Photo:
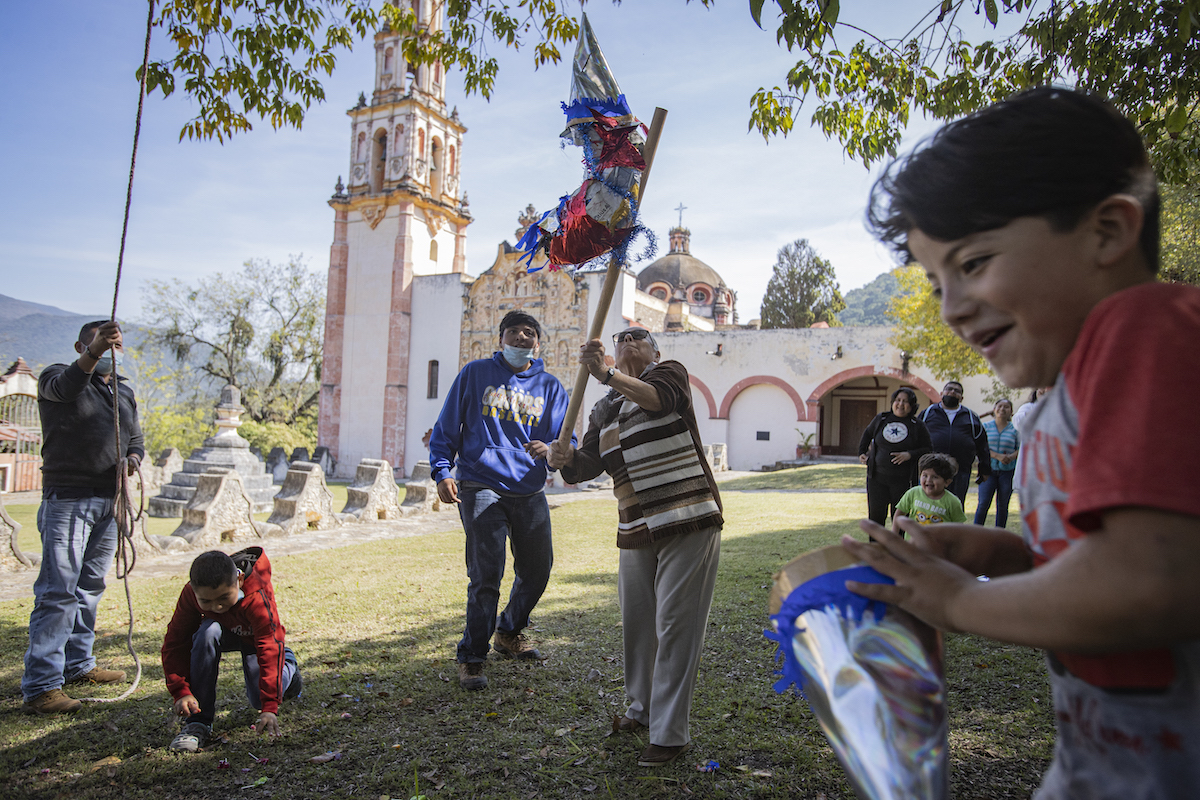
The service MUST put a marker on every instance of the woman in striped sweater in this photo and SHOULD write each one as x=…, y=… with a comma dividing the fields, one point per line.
x=643, y=433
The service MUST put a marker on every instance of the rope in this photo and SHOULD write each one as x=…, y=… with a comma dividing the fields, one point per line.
x=126, y=518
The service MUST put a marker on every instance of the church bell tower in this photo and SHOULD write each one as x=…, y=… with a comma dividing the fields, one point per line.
x=402, y=215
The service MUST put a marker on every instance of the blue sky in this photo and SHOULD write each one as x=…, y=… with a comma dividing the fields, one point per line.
x=202, y=207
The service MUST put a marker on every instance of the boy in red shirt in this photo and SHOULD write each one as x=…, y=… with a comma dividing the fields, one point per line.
x=229, y=605
x=1036, y=221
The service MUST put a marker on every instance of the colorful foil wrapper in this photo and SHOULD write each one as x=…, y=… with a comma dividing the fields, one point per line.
x=600, y=217
x=873, y=676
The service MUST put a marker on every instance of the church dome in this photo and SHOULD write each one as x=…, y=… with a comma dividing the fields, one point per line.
x=679, y=268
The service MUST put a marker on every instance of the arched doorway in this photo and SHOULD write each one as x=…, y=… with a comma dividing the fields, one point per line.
x=846, y=403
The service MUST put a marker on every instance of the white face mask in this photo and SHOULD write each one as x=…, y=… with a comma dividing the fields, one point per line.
x=105, y=365
x=518, y=356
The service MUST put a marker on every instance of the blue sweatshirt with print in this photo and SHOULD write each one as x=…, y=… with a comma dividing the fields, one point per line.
x=489, y=415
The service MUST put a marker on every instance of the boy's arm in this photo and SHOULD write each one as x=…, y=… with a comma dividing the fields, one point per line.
x=177, y=644
x=446, y=439
x=1069, y=604
x=956, y=510
x=268, y=635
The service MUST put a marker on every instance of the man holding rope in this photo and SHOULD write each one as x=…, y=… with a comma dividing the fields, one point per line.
x=76, y=521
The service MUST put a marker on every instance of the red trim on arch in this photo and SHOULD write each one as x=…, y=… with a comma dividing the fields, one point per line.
x=708, y=395
x=754, y=380
x=932, y=395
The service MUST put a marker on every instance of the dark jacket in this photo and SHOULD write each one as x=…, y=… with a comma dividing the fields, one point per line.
x=966, y=439
x=254, y=618
x=78, y=445
x=915, y=442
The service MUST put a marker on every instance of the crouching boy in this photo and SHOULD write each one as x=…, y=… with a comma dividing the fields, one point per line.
x=229, y=605
x=1036, y=221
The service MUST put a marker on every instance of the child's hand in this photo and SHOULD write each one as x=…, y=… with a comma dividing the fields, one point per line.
x=536, y=449
x=186, y=706
x=926, y=585
x=268, y=723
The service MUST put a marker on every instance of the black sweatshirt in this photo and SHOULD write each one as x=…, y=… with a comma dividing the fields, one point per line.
x=78, y=444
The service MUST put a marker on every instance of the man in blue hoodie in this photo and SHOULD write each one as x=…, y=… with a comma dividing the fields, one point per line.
x=498, y=409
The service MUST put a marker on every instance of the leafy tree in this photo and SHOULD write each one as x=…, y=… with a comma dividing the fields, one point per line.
x=260, y=330
x=238, y=58
x=803, y=289
x=171, y=410
x=1180, y=242
x=920, y=331
x=1144, y=56
x=266, y=436
x=868, y=305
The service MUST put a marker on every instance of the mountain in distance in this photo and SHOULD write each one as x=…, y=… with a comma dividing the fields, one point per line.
x=868, y=305
x=42, y=334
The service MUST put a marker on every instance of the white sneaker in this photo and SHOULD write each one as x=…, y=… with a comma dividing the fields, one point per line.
x=193, y=737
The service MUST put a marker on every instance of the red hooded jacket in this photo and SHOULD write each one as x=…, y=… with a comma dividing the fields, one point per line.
x=254, y=618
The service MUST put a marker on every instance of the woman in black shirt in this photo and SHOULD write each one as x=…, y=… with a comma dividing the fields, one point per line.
x=890, y=447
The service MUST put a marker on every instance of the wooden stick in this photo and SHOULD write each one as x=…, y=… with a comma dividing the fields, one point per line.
x=611, y=277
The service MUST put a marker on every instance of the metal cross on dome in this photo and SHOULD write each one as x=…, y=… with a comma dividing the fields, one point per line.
x=680, y=208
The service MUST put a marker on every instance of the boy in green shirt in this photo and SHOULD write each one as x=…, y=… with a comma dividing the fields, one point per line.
x=930, y=502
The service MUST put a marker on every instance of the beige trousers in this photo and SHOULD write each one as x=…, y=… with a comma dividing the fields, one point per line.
x=665, y=591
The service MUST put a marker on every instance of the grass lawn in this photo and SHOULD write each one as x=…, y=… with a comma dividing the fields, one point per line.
x=375, y=626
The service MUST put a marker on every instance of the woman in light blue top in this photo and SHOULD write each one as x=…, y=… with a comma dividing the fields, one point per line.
x=1003, y=441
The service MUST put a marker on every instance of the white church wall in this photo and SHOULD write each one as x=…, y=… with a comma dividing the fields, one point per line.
x=437, y=308
x=761, y=411
x=364, y=353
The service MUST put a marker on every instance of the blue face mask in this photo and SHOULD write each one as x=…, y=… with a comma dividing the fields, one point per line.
x=105, y=365
x=518, y=356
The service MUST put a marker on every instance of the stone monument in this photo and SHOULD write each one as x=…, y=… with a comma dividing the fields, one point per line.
x=304, y=503
x=227, y=450
x=373, y=495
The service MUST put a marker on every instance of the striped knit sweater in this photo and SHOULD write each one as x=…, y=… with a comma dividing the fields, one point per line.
x=661, y=479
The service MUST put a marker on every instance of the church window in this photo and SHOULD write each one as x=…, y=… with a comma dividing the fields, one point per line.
x=700, y=296
x=431, y=391
x=659, y=292
x=378, y=159
x=433, y=251
x=435, y=168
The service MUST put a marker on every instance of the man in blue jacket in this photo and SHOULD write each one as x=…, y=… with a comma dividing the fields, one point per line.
x=956, y=430
x=499, y=409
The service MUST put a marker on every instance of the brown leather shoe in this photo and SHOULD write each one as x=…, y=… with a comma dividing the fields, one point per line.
x=470, y=676
x=54, y=701
x=623, y=724
x=98, y=675
x=655, y=756
x=515, y=645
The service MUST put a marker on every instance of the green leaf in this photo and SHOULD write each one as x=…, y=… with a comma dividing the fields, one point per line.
x=993, y=14
x=1177, y=120
x=756, y=11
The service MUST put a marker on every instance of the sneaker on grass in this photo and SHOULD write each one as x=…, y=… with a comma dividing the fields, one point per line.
x=515, y=645
x=193, y=737
x=470, y=676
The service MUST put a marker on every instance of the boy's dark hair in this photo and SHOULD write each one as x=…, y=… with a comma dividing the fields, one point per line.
x=912, y=398
x=1047, y=152
x=85, y=333
x=213, y=570
x=945, y=466
x=515, y=318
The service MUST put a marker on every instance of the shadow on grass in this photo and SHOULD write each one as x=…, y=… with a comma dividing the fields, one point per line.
x=381, y=690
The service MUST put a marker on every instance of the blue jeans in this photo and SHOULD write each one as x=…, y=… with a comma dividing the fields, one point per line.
x=79, y=538
x=208, y=643
x=999, y=485
x=488, y=519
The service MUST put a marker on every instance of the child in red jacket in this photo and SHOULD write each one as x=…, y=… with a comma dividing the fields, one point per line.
x=229, y=605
